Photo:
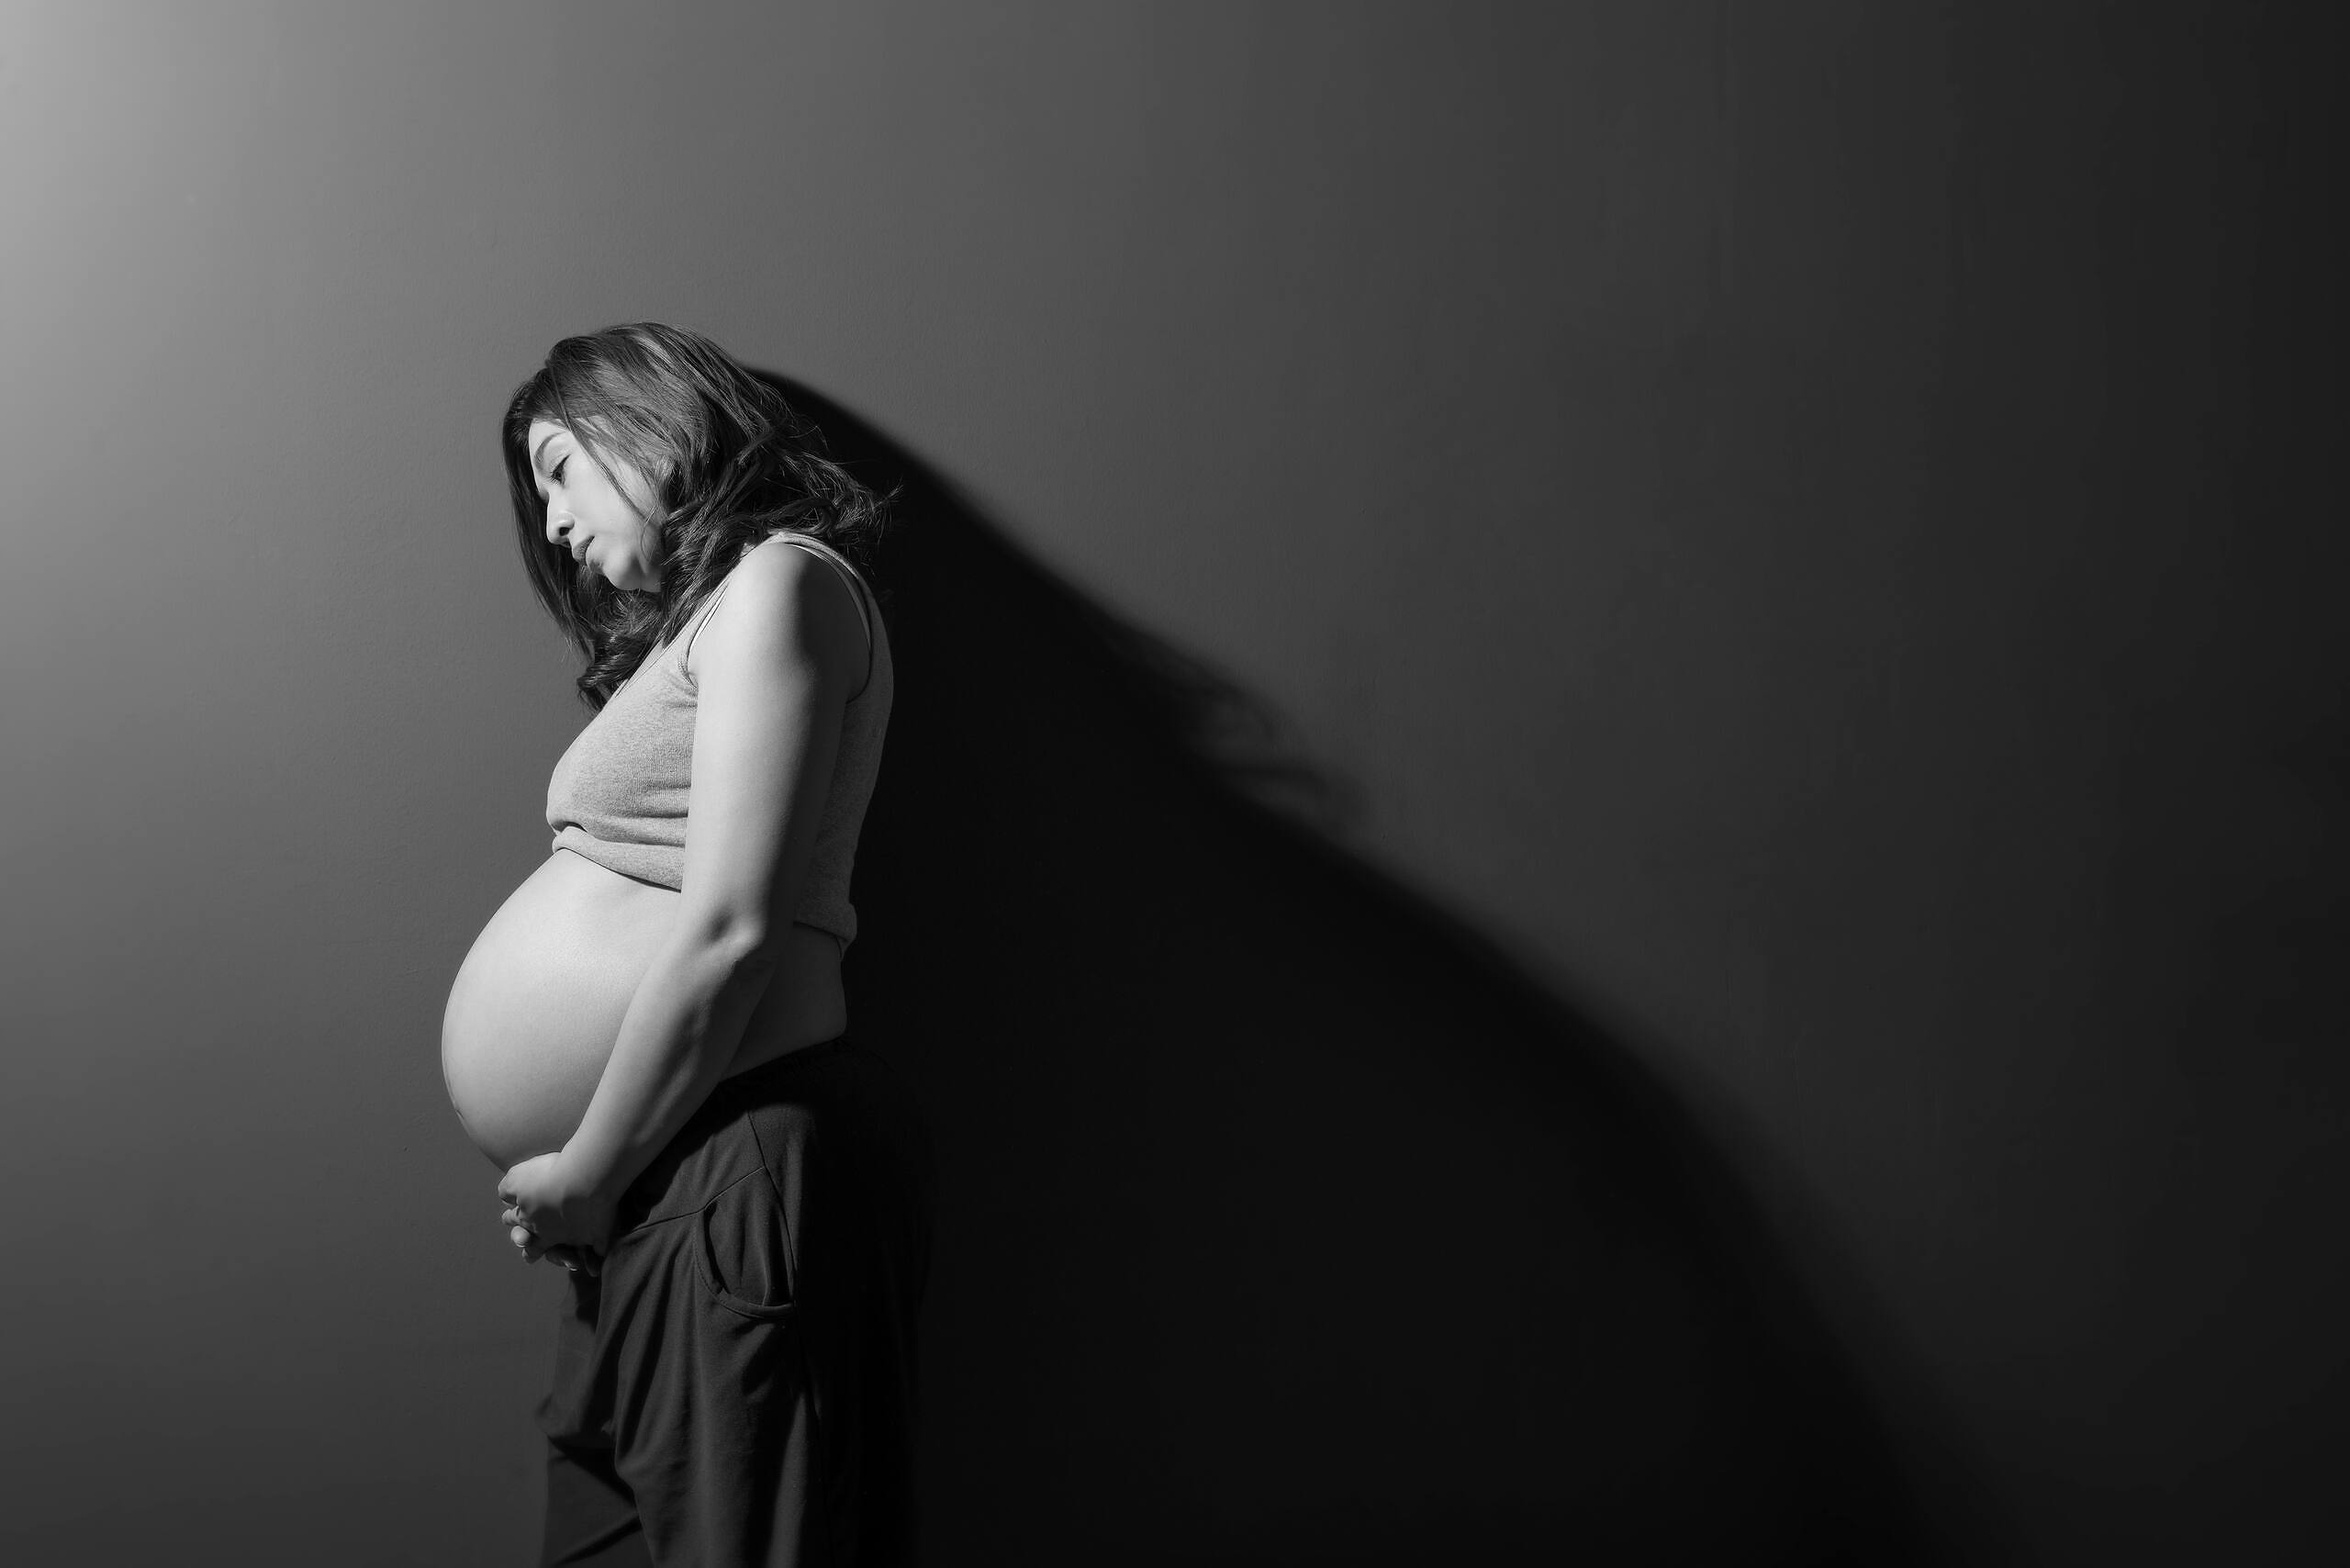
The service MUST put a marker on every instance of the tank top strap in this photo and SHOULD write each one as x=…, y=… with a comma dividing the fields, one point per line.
x=845, y=567
x=857, y=590
x=700, y=620
x=840, y=563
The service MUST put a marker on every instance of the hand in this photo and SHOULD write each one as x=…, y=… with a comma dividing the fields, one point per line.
x=576, y=1259
x=548, y=1215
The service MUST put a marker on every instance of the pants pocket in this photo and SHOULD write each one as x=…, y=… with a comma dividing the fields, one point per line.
x=745, y=1250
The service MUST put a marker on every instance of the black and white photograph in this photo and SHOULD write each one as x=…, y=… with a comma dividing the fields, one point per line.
x=1016, y=783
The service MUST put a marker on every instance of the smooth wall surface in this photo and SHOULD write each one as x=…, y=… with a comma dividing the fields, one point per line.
x=1809, y=523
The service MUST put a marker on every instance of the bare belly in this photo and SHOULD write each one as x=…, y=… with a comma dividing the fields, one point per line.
x=538, y=1003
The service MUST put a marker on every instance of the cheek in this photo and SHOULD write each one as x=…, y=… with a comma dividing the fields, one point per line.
x=625, y=521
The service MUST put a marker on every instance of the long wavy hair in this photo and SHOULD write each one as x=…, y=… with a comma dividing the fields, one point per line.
x=729, y=460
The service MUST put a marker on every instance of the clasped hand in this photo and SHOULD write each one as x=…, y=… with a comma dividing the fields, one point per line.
x=549, y=1214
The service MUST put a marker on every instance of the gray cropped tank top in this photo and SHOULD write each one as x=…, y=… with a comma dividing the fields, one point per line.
x=618, y=796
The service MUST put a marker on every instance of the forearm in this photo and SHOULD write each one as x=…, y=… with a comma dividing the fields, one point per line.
x=678, y=1036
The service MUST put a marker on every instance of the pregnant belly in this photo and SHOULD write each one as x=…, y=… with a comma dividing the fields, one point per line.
x=538, y=1002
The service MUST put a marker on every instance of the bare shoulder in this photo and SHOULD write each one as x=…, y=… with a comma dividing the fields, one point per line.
x=783, y=608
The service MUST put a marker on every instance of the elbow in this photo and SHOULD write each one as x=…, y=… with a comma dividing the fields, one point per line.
x=742, y=945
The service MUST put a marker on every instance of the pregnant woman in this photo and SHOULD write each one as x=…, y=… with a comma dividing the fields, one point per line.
x=649, y=1039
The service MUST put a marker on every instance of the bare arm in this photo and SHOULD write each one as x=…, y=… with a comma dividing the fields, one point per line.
x=774, y=665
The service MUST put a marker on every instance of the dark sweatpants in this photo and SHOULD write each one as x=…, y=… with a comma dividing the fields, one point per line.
x=738, y=1388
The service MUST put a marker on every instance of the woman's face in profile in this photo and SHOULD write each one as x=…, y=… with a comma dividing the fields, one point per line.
x=601, y=526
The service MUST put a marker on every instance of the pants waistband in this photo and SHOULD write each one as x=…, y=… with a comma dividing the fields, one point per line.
x=781, y=1069
x=716, y=1147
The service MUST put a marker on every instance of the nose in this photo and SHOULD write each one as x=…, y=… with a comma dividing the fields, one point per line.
x=559, y=526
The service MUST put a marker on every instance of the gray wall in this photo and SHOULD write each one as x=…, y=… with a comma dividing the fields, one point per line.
x=1795, y=522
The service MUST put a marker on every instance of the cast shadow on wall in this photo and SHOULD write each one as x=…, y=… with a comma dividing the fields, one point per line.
x=1280, y=1219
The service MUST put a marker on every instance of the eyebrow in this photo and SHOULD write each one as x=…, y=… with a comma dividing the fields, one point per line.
x=540, y=450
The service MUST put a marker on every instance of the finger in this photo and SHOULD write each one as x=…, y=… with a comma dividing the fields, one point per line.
x=571, y=1257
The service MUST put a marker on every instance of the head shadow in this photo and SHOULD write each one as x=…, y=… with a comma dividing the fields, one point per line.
x=1282, y=1218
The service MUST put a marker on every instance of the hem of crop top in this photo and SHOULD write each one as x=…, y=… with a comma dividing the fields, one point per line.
x=573, y=836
